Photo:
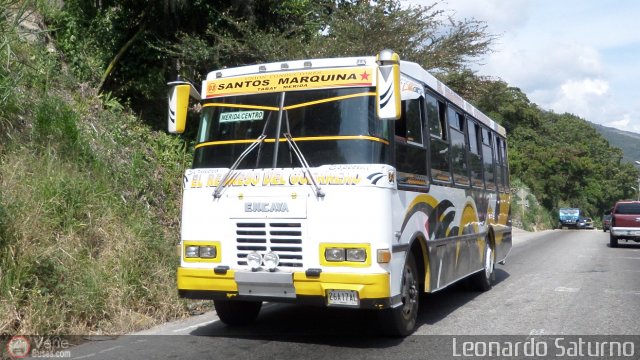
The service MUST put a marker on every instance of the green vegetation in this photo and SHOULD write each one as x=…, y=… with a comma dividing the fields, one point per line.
x=628, y=142
x=90, y=184
x=560, y=157
x=88, y=200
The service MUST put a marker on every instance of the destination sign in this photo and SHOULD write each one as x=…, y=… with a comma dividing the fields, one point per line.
x=296, y=80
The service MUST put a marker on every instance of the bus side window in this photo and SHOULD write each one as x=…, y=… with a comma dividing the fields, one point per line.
x=496, y=151
x=415, y=121
x=501, y=162
x=505, y=165
x=409, y=126
x=475, y=153
x=458, y=147
x=411, y=155
x=439, y=152
x=487, y=158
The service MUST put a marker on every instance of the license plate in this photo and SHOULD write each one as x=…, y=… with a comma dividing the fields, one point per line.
x=343, y=297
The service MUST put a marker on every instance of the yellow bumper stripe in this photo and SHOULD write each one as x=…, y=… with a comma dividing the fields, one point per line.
x=369, y=286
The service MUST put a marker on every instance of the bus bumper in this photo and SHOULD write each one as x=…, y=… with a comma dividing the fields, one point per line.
x=373, y=289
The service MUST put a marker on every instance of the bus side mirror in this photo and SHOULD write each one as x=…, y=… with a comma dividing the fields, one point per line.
x=388, y=85
x=179, y=94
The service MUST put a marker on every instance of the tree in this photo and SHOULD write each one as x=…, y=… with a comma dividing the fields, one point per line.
x=423, y=34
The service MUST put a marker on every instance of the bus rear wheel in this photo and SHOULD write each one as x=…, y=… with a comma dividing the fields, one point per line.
x=237, y=313
x=401, y=321
x=484, y=278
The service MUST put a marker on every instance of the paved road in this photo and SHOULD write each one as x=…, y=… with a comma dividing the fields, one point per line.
x=559, y=282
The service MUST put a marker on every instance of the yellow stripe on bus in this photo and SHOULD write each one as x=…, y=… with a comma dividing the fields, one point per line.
x=328, y=100
x=272, y=108
x=306, y=138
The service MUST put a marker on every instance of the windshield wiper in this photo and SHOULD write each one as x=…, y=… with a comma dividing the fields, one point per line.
x=303, y=161
x=217, y=192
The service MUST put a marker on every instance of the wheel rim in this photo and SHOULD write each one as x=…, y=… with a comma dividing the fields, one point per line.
x=409, y=292
x=488, y=261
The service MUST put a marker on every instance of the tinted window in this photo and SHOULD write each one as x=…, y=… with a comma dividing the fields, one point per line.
x=628, y=208
x=458, y=148
x=475, y=151
x=322, y=121
x=439, y=151
x=410, y=125
x=413, y=112
x=435, y=126
x=411, y=155
x=487, y=159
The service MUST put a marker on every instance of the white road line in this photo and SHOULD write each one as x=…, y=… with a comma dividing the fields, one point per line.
x=110, y=349
x=566, y=289
x=195, y=326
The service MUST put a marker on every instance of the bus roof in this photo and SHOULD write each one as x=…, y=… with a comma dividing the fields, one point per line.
x=407, y=68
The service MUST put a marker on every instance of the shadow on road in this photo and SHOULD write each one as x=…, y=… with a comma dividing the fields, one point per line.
x=626, y=245
x=342, y=327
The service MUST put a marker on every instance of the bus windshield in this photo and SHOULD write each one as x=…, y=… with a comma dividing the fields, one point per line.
x=331, y=126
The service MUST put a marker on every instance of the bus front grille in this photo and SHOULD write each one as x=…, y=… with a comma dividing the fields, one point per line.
x=282, y=238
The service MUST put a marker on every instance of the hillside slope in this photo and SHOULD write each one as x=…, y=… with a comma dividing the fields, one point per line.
x=89, y=199
x=628, y=141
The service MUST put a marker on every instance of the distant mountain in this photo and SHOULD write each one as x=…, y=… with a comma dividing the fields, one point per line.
x=628, y=141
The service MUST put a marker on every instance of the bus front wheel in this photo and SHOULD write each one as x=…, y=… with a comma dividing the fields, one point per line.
x=401, y=320
x=237, y=313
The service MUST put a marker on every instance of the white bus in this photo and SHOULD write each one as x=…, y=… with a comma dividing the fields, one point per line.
x=351, y=182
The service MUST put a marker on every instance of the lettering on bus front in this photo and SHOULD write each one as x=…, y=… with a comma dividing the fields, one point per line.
x=291, y=80
x=277, y=179
x=266, y=207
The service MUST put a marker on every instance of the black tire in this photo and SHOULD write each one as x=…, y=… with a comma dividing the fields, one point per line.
x=613, y=241
x=237, y=313
x=401, y=321
x=483, y=279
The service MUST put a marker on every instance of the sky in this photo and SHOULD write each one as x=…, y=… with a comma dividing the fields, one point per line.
x=575, y=56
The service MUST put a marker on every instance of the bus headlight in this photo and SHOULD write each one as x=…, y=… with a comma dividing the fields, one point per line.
x=334, y=254
x=357, y=255
x=254, y=260
x=191, y=251
x=271, y=261
x=208, y=252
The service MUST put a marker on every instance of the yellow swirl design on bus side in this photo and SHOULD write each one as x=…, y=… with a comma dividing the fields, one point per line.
x=423, y=198
x=469, y=217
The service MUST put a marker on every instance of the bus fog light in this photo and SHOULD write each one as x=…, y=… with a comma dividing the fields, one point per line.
x=208, y=252
x=271, y=261
x=334, y=254
x=191, y=251
x=254, y=260
x=357, y=255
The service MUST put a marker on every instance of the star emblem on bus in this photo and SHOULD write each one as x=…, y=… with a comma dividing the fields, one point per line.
x=364, y=76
